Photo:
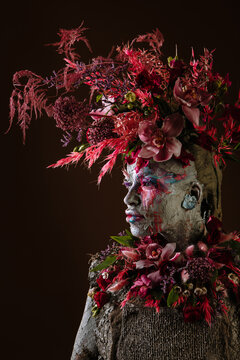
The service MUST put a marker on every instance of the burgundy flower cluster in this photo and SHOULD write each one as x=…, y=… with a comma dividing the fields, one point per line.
x=191, y=280
x=138, y=104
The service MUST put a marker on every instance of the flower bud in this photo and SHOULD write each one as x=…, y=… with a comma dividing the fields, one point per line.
x=204, y=290
x=219, y=286
x=178, y=289
x=234, y=278
x=190, y=286
x=130, y=96
x=105, y=275
x=95, y=310
x=92, y=292
x=198, y=291
x=186, y=293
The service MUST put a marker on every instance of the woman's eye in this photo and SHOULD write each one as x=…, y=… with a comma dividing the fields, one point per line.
x=127, y=184
x=147, y=183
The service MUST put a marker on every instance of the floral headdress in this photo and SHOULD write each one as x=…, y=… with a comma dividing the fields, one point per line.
x=143, y=108
x=139, y=105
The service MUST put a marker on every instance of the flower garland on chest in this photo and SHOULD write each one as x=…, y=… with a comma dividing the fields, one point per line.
x=196, y=281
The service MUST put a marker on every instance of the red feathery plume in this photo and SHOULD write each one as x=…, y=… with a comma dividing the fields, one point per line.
x=72, y=158
x=68, y=38
x=154, y=39
x=207, y=310
x=27, y=97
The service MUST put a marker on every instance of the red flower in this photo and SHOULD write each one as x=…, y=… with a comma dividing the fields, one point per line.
x=190, y=97
x=101, y=298
x=214, y=227
x=161, y=143
x=221, y=256
x=191, y=313
x=148, y=81
x=103, y=283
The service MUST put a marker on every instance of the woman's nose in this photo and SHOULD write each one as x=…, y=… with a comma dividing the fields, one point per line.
x=132, y=198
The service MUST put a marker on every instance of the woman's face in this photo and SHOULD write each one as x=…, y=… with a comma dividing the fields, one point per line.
x=154, y=200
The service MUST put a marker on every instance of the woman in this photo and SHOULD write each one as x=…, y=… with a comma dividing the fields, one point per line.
x=162, y=198
x=169, y=289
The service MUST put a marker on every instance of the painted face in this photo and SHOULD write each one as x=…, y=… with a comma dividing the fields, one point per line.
x=154, y=199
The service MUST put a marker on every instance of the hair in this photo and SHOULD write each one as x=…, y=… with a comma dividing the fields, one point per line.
x=210, y=176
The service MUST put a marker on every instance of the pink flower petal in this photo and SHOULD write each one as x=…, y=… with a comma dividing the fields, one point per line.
x=168, y=250
x=118, y=285
x=192, y=114
x=97, y=114
x=206, y=101
x=184, y=275
x=141, y=264
x=189, y=250
x=148, y=151
x=177, y=90
x=174, y=146
x=145, y=131
x=202, y=246
x=176, y=256
x=146, y=281
x=131, y=254
x=108, y=101
x=163, y=155
x=173, y=125
x=155, y=277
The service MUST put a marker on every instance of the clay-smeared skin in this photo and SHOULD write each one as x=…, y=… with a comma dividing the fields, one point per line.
x=157, y=192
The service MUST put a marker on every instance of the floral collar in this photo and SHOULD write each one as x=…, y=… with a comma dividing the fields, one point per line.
x=196, y=281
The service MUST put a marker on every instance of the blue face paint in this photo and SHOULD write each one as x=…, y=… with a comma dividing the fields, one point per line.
x=133, y=219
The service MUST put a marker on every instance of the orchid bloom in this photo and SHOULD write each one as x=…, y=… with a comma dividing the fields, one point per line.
x=190, y=99
x=161, y=143
x=106, y=110
x=158, y=255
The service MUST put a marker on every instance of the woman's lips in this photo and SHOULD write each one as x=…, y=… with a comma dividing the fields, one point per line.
x=132, y=218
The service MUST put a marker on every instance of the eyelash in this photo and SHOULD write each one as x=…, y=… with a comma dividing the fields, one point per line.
x=149, y=183
x=145, y=183
x=127, y=184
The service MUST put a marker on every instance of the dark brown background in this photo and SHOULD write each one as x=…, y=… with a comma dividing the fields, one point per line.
x=52, y=219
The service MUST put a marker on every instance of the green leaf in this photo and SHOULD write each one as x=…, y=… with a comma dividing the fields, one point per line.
x=130, y=234
x=124, y=240
x=172, y=297
x=98, y=97
x=106, y=263
x=237, y=147
x=80, y=148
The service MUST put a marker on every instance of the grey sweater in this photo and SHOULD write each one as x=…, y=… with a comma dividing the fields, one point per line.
x=139, y=333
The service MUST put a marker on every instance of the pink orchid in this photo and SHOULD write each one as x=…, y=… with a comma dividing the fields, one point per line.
x=153, y=251
x=106, y=110
x=161, y=143
x=165, y=255
x=190, y=99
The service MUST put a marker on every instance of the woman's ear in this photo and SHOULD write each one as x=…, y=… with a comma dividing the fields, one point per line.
x=196, y=190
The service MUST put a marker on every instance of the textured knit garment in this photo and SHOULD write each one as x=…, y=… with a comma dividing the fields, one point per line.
x=140, y=333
